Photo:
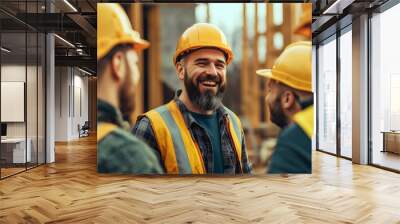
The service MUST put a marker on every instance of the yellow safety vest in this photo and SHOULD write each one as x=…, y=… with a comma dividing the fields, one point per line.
x=305, y=119
x=179, y=151
x=103, y=129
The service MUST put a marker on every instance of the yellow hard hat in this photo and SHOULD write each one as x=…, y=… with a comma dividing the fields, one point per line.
x=293, y=66
x=202, y=35
x=113, y=28
x=304, y=27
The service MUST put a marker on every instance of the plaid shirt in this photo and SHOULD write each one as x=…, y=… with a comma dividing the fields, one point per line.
x=144, y=131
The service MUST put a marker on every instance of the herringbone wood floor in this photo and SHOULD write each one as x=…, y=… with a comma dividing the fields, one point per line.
x=70, y=191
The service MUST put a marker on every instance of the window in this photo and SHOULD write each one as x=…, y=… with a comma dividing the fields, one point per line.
x=346, y=94
x=22, y=77
x=385, y=89
x=327, y=96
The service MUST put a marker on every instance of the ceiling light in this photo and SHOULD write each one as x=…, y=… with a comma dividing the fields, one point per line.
x=84, y=71
x=5, y=50
x=65, y=41
x=337, y=7
x=70, y=5
x=79, y=51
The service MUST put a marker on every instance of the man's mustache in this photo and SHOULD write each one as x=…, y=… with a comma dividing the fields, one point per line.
x=213, y=78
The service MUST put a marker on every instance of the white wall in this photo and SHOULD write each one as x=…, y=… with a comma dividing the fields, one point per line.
x=61, y=103
x=33, y=127
x=16, y=73
x=71, y=94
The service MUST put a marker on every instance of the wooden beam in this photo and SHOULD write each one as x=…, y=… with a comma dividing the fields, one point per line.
x=287, y=24
x=269, y=55
x=244, y=78
x=155, y=87
x=255, y=84
x=136, y=15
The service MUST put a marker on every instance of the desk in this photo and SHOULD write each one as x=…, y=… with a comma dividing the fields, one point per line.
x=391, y=141
x=16, y=147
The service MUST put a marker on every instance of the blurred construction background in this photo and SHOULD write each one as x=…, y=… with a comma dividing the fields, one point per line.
x=257, y=32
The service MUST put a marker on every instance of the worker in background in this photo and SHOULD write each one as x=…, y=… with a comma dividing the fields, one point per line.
x=195, y=133
x=304, y=26
x=290, y=102
x=118, y=151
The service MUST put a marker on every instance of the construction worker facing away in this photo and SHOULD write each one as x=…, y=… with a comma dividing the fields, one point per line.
x=290, y=102
x=304, y=26
x=195, y=133
x=118, y=151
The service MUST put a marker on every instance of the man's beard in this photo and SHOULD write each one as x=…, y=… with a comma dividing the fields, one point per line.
x=278, y=117
x=208, y=100
x=127, y=95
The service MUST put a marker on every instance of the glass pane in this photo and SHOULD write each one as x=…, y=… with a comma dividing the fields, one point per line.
x=31, y=97
x=41, y=99
x=13, y=86
x=23, y=87
x=327, y=97
x=385, y=89
x=346, y=94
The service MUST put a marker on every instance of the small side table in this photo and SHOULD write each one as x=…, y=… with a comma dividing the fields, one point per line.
x=391, y=141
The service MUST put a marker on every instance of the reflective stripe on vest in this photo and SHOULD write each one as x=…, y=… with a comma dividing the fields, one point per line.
x=103, y=129
x=235, y=129
x=179, y=151
x=181, y=155
x=305, y=119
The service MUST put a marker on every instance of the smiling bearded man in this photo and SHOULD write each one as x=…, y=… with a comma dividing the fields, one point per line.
x=212, y=96
x=195, y=133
